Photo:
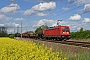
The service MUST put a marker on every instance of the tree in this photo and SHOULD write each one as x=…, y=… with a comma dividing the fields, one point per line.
x=81, y=29
x=41, y=28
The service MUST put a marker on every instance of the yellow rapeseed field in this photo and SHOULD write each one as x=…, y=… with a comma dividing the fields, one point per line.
x=11, y=49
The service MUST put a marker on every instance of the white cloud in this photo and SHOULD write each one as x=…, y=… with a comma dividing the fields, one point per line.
x=4, y=18
x=65, y=9
x=86, y=20
x=10, y=24
x=50, y=23
x=29, y=12
x=45, y=22
x=82, y=1
x=10, y=8
x=1, y=25
x=41, y=14
x=13, y=24
x=74, y=26
x=48, y=0
x=42, y=7
x=78, y=2
x=10, y=30
x=86, y=8
x=19, y=19
x=75, y=17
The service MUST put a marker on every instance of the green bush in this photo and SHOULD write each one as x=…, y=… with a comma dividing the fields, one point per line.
x=11, y=36
x=81, y=34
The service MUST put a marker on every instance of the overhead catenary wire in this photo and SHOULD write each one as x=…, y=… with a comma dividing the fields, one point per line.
x=55, y=13
x=56, y=16
x=69, y=10
x=80, y=13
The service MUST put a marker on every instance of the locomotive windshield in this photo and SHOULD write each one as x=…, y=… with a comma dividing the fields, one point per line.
x=65, y=29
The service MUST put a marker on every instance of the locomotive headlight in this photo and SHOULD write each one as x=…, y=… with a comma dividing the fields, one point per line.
x=67, y=32
x=62, y=32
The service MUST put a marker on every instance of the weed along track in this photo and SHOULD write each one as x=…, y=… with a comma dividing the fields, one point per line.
x=74, y=43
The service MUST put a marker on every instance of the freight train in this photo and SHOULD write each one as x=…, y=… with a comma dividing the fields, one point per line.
x=53, y=33
x=29, y=34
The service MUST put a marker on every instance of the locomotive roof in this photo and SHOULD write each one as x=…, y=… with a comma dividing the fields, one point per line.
x=56, y=27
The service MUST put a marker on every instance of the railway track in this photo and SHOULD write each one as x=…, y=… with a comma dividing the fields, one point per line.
x=75, y=43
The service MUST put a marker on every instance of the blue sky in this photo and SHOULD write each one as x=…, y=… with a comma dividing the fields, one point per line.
x=34, y=13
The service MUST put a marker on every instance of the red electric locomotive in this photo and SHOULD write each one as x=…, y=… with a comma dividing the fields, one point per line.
x=58, y=33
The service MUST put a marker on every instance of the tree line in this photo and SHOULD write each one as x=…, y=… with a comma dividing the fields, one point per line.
x=81, y=34
x=3, y=32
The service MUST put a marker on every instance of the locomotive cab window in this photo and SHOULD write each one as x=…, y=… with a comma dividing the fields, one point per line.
x=65, y=29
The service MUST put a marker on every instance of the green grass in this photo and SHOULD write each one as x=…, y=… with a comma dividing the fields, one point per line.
x=85, y=56
x=80, y=55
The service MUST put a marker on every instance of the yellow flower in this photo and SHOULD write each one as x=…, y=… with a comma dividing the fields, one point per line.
x=11, y=49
